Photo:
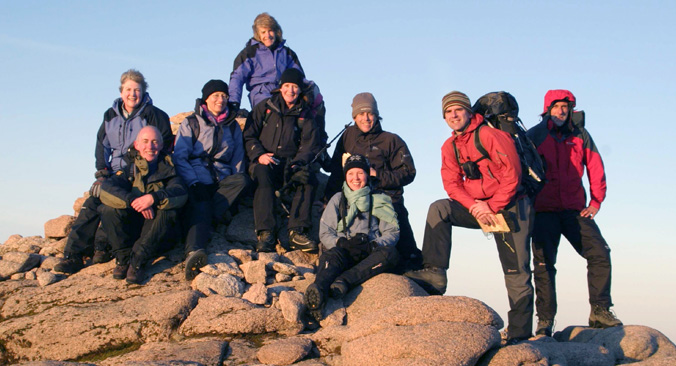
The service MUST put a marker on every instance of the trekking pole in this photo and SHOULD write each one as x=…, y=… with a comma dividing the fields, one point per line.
x=278, y=193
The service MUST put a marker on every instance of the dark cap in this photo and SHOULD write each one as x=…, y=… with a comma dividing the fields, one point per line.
x=213, y=86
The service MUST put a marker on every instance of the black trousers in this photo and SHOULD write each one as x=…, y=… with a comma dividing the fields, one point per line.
x=513, y=250
x=585, y=237
x=336, y=263
x=85, y=235
x=201, y=214
x=269, y=178
x=410, y=255
x=134, y=239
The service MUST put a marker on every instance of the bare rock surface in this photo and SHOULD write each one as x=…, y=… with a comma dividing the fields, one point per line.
x=203, y=351
x=257, y=294
x=379, y=292
x=15, y=262
x=59, y=227
x=18, y=243
x=223, y=284
x=285, y=351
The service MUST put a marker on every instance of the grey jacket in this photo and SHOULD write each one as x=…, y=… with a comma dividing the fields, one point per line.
x=381, y=232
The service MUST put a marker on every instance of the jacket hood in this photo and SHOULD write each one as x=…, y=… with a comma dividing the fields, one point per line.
x=558, y=95
x=118, y=104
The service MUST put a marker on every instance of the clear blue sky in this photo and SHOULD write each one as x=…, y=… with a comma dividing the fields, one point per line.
x=60, y=64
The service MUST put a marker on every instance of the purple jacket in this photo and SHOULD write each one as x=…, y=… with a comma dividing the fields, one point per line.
x=260, y=68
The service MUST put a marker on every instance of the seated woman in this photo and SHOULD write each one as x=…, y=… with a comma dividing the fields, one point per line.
x=359, y=231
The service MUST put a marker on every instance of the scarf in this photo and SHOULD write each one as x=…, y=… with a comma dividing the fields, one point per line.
x=359, y=201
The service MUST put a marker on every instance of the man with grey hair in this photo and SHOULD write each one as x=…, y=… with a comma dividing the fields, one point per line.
x=141, y=203
x=392, y=168
x=121, y=123
x=480, y=187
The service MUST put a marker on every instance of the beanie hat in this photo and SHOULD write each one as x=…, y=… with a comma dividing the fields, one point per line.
x=455, y=98
x=293, y=76
x=356, y=161
x=213, y=86
x=364, y=102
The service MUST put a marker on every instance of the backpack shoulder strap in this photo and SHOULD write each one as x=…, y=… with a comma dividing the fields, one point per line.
x=194, y=125
x=477, y=143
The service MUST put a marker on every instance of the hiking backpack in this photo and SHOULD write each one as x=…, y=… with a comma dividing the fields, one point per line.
x=500, y=110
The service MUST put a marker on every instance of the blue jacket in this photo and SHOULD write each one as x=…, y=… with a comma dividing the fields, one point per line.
x=260, y=68
x=195, y=157
x=117, y=133
x=379, y=231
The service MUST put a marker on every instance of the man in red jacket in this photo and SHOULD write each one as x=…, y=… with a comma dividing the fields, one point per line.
x=478, y=188
x=561, y=208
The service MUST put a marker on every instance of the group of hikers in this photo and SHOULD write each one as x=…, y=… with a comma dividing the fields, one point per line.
x=154, y=189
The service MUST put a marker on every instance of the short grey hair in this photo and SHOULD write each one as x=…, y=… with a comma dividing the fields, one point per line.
x=134, y=75
x=157, y=132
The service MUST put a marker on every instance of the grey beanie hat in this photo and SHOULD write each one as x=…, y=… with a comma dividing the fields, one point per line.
x=364, y=102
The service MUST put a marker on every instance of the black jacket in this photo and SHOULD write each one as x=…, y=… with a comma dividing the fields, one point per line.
x=387, y=154
x=273, y=128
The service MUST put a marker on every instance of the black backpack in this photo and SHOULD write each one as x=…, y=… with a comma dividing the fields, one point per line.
x=500, y=110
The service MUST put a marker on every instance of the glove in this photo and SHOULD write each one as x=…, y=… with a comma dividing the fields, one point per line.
x=358, y=246
x=95, y=190
x=301, y=176
x=199, y=192
x=103, y=173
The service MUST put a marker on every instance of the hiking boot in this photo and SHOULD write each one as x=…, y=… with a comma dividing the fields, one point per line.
x=299, y=240
x=432, y=279
x=545, y=327
x=266, y=241
x=120, y=271
x=339, y=288
x=70, y=265
x=603, y=317
x=514, y=341
x=135, y=275
x=101, y=256
x=314, y=299
x=193, y=262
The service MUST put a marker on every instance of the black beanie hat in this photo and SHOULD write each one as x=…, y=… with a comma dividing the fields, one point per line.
x=213, y=86
x=357, y=161
x=294, y=76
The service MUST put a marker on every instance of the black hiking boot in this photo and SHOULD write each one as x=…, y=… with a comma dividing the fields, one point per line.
x=300, y=240
x=603, y=317
x=120, y=271
x=431, y=279
x=545, y=327
x=101, y=256
x=70, y=265
x=266, y=241
x=314, y=299
x=339, y=288
x=135, y=275
x=193, y=262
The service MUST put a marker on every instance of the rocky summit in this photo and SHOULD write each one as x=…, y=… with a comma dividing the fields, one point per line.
x=246, y=308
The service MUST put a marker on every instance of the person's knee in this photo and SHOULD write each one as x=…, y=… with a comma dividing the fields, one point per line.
x=438, y=211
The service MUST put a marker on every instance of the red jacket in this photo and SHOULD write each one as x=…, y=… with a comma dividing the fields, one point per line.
x=500, y=173
x=566, y=151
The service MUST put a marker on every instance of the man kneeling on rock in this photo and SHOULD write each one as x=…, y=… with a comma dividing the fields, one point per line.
x=141, y=204
x=359, y=230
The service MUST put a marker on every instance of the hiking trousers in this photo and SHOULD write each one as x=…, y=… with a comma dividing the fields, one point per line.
x=201, y=214
x=269, y=178
x=410, y=255
x=134, y=239
x=513, y=250
x=85, y=235
x=585, y=237
x=336, y=263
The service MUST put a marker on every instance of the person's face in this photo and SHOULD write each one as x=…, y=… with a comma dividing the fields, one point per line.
x=148, y=144
x=559, y=113
x=131, y=95
x=365, y=121
x=267, y=36
x=356, y=178
x=457, y=117
x=290, y=92
x=217, y=102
